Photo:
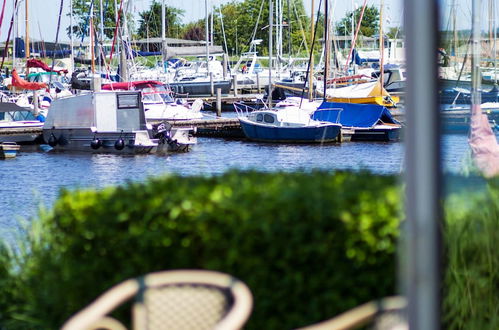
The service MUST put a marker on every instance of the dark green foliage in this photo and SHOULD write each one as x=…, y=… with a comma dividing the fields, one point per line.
x=150, y=21
x=81, y=11
x=471, y=287
x=368, y=27
x=309, y=245
x=241, y=17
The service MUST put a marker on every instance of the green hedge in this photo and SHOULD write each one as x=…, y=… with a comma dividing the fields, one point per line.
x=471, y=286
x=309, y=245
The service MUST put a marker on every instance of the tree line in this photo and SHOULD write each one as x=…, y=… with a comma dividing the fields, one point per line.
x=238, y=21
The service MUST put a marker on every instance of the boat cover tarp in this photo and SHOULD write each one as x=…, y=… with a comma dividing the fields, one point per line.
x=353, y=115
x=358, y=90
x=34, y=63
x=127, y=85
x=24, y=84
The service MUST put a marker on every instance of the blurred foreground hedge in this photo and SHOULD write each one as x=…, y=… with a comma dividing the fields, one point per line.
x=471, y=284
x=309, y=245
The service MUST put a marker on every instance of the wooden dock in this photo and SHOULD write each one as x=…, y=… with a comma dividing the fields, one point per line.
x=219, y=127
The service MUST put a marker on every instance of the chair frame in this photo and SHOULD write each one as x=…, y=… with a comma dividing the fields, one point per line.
x=95, y=316
x=360, y=315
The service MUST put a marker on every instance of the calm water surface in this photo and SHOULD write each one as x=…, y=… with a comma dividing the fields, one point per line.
x=35, y=177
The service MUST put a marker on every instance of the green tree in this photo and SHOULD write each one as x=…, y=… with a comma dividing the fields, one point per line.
x=368, y=27
x=81, y=14
x=194, y=31
x=241, y=18
x=150, y=21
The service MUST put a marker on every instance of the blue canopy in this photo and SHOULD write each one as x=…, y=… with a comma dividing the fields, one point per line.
x=353, y=115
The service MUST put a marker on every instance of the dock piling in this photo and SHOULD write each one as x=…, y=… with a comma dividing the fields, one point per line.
x=219, y=102
x=234, y=84
x=258, y=82
x=212, y=87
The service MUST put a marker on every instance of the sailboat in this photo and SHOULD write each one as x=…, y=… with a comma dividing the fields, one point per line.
x=286, y=124
x=371, y=92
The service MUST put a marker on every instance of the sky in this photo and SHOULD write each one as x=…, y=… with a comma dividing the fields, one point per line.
x=43, y=14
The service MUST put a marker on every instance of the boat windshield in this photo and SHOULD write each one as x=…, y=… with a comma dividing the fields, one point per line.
x=17, y=116
x=156, y=94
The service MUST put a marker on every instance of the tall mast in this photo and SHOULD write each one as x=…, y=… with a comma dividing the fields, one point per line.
x=116, y=18
x=494, y=51
x=16, y=29
x=101, y=53
x=206, y=32
x=71, y=41
x=311, y=73
x=27, y=30
x=289, y=31
x=475, y=58
x=163, y=34
x=26, y=44
x=211, y=25
x=92, y=50
x=271, y=46
x=326, y=46
x=381, y=45
x=454, y=15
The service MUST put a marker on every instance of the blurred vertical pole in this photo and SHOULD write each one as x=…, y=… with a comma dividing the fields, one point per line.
x=163, y=35
x=71, y=39
x=421, y=271
x=271, y=47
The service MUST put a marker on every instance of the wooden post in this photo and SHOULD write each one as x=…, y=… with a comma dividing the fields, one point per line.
x=225, y=66
x=234, y=84
x=258, y=82
x=212, y=87
x=35, y=103
x=219, y=102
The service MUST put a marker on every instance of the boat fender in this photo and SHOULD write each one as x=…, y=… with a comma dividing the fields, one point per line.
x=96, y=143
x=119, y=144
x=52, y=140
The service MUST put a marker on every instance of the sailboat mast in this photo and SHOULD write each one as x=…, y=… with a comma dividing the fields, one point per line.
x=289, y=31
x=71, y=41
x=92, y=51
x=494, y=10
x=271, y=46
x=101, y=53
x=454, y=15
x=381, y=45
x=26, y=44
x=326, y=46
x=475, y=58
x=206, y=32
x=163, y=35
x=15, y=34
x=27, y=50
x=311, y=73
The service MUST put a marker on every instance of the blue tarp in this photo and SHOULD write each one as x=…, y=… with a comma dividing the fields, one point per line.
x=353, y=115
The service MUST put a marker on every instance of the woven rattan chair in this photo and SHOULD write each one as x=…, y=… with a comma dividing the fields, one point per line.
x=385, y=314
x=179, y=299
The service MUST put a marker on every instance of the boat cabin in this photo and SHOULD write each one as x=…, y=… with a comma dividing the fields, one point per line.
x=100, y=111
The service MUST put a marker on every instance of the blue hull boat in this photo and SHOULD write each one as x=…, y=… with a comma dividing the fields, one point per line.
x=288, y=126
x=319, y=134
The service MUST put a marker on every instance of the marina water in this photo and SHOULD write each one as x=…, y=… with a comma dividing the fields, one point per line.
x=35, y=177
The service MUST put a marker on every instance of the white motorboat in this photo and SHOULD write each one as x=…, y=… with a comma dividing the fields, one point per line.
x=159, y=105
x=109, y=122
